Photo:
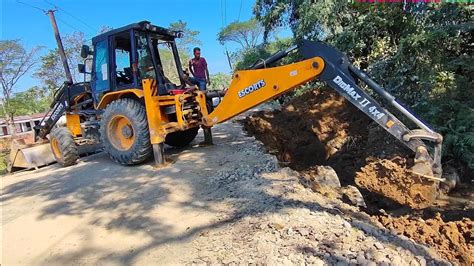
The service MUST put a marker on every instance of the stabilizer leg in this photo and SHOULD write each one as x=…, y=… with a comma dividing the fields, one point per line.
x=208, y=136
x=159, y=154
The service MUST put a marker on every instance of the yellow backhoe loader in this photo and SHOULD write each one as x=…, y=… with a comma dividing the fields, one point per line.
x=133, y=105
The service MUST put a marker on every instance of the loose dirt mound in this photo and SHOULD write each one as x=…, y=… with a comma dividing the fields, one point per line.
x=321, y=128
x=397, y=183
x=446, y=237
x=311, y=130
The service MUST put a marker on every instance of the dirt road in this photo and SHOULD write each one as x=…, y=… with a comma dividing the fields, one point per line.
x=224, y=203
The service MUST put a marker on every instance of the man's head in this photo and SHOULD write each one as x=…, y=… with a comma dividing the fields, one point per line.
x=197, y=52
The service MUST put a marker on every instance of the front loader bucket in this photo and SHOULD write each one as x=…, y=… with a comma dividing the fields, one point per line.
x=28, y=156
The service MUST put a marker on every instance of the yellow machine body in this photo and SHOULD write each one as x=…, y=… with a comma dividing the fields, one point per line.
x=111, y=96
x=73, y=123
x=250, y=88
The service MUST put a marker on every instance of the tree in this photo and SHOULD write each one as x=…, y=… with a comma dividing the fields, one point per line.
x=15, y=62
x=246, y=58
x=420, y=52
x=245, y=33
x=104, y=29
x=310, y=19
x=32, y=101
x=189, y=38
x=51, y=71
x=220, y=81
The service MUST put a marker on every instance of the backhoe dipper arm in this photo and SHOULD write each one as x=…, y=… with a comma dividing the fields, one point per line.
x=339, y=74
x=250, y=88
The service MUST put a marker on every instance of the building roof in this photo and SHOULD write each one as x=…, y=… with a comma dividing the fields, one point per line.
x=24, y=118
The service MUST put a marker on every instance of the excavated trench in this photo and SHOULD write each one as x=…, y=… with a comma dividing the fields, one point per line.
x=322, y=128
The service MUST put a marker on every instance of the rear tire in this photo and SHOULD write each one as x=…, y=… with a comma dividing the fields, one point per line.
x=181, y=139
x=63, y=146
x=124, y=132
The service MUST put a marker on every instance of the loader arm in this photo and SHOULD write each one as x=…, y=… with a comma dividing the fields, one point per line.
x=259, y=84
x=67, y=96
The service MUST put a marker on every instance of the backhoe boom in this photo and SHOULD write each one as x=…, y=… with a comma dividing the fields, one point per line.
x=259, y=84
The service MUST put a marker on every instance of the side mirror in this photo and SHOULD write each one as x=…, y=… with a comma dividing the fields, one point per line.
x=179, y=34
x=85, y=51
x=81, y=68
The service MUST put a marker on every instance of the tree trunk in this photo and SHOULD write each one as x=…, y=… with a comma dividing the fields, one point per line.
x=11, y=124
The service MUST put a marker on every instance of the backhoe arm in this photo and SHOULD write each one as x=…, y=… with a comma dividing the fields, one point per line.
x=339, y=74
x=250, y=88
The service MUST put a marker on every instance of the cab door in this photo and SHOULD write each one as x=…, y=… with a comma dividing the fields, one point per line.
x=101, y=76
x=123, y=73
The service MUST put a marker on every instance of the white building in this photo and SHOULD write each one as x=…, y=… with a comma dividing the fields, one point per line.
x=23, y=124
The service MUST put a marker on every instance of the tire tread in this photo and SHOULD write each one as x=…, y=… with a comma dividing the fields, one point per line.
x=67, y=146
x=136, y=113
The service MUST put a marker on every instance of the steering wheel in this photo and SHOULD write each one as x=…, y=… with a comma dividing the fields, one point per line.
x=122, y=75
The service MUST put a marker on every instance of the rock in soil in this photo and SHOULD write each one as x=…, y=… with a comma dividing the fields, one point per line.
x=352, y=195
x=321, y=176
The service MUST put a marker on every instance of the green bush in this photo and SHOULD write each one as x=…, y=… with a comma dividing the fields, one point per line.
x=420, y=52
x=246, y=58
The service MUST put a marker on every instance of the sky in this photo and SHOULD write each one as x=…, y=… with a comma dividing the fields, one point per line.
x=32, y=26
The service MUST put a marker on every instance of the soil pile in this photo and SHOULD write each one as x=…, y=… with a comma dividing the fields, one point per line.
x=445, y=236
x=317, y=128
x=321, y=128
x=397, y=183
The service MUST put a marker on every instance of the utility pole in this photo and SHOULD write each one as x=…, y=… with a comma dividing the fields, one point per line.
x=228, y=59
x=62, y=53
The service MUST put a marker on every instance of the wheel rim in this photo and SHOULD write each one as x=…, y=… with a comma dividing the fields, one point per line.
x=55, y=148
x=120, y=133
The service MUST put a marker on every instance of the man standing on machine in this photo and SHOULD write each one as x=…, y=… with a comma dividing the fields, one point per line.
x=198, y=67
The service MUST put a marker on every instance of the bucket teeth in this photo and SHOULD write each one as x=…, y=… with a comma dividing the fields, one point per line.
x=423, y=162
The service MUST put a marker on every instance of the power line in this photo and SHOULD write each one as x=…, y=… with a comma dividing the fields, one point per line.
x=71, y=15
x=223, y=18
x=225, y=11
x=46, y=11
x=222, y=13
x=32, y=6
x=67, y=24
x=240, y=10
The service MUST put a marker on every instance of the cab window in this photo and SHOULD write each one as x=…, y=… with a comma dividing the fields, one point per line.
x=145, y=63
x=170, y=69
x=101, y=76
x=122, y=54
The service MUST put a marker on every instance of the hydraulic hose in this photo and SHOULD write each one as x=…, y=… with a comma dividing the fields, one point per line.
x=273, y=58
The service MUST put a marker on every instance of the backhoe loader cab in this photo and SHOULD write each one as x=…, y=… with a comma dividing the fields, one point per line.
x=138, y=85
x=124, y=57
x=136, y=99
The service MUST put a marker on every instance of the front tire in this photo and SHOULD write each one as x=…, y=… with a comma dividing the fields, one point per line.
x=63, y=146
x=124, y=132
